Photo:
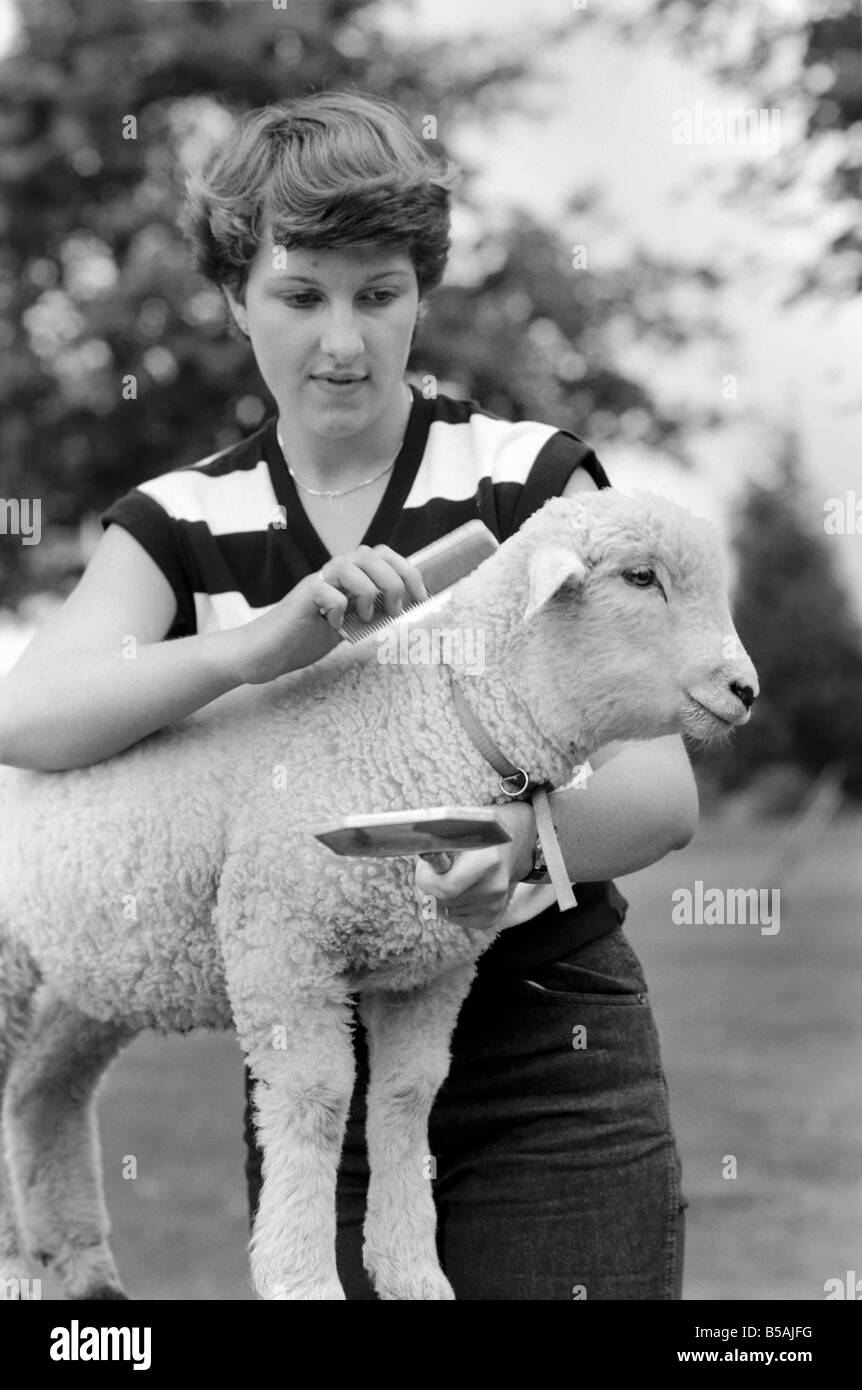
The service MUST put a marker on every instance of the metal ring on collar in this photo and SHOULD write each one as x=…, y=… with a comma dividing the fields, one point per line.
x=507, y=791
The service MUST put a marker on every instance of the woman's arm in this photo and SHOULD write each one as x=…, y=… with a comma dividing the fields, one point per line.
x=640, y=804
x=99, y=676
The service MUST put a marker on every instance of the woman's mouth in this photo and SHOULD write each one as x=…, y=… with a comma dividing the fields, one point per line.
x=341, y=385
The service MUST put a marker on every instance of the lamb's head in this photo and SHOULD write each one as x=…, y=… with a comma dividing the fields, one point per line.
x=622, y=626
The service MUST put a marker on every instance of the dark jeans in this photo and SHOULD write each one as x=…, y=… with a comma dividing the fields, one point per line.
x=557, y=1175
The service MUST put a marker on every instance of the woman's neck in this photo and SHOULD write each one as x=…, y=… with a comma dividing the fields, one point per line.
x=325, y=463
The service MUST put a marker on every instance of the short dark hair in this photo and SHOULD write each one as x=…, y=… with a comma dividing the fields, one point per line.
x=333, y=169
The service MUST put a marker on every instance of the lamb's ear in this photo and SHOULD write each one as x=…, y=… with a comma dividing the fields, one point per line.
x=548, y=570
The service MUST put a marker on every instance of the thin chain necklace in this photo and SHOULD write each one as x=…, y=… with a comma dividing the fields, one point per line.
x=330, y=493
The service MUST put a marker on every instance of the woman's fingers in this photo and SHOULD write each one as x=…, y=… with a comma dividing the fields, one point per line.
x=359, y=578
x=409, y=574
x=472, y=872
x=336, y=584
x=475, y=891
x=441, y=860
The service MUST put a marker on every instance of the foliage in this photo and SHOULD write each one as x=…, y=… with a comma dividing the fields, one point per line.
x=796, y=622
x=803, y=58
x=96, y=287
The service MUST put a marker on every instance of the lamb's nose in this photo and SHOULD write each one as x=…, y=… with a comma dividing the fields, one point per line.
x=744, y=692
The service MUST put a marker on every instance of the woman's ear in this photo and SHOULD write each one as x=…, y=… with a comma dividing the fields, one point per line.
x=237, y=311
x=421, y=313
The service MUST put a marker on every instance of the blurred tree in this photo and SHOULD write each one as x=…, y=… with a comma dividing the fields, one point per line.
x=539, y=335
x=115, y=360
x=796, y=622
x=803, y=57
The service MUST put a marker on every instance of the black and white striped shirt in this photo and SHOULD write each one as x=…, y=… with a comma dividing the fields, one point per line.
x=232, y=537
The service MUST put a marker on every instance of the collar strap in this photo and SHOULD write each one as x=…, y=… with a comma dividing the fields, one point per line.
x=514, y=781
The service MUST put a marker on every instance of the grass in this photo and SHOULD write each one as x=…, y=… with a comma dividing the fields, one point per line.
x=761, y=1037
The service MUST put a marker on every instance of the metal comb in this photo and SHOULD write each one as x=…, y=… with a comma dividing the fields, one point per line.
x=441, y=564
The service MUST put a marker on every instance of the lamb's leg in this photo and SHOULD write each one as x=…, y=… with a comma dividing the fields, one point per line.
x=53, y=1147
x=304, y=1067
x=18, y=980
x=409, y=1037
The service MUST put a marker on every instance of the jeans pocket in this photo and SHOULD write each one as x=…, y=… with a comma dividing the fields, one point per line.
x=606, y=971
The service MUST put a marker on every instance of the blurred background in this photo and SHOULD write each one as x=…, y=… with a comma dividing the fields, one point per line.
x=657, y=245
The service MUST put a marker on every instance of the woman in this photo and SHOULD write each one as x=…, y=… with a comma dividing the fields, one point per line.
x=325, y=222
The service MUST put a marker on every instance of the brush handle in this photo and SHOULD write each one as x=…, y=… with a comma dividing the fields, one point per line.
x=445, y=561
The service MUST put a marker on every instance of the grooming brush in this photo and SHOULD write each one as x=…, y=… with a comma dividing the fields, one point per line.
x=436, y=835
x=441, y=564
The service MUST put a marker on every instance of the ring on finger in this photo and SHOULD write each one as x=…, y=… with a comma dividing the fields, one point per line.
x=324, y=612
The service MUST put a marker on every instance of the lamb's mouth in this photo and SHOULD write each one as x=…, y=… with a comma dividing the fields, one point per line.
x=699, y=708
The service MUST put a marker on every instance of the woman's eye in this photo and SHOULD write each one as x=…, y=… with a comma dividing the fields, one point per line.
x=300, y=301
x=308, y=299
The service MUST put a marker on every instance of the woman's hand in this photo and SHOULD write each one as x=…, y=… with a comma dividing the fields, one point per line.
x=476, y=890
x=303, y=626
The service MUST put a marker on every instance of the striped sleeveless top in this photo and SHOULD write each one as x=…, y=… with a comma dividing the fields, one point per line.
x=232, y=537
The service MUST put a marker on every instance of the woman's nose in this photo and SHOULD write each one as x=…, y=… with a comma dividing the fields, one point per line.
x=340, y=337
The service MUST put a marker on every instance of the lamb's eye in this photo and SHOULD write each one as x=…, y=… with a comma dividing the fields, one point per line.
x=642, y=576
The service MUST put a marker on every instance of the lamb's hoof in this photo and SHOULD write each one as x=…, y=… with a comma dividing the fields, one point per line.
x=426, y=1284
x=104, y=1291
x=327, y=1291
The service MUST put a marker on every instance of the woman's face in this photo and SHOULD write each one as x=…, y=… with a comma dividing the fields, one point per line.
x=331, y=331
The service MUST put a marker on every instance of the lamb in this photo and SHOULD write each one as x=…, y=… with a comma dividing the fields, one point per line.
x=177, y=885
